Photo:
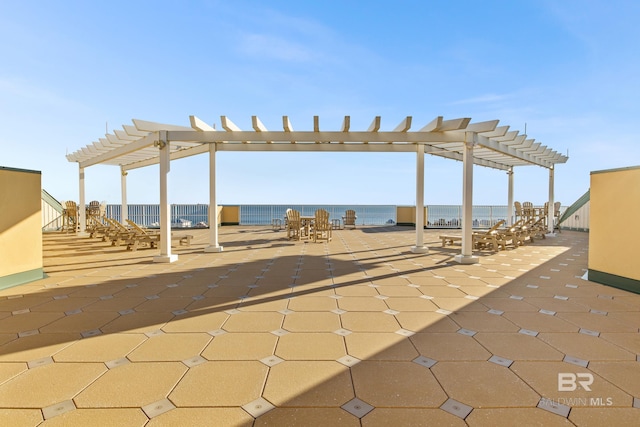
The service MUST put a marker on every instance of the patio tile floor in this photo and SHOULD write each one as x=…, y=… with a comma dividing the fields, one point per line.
x=359, y=331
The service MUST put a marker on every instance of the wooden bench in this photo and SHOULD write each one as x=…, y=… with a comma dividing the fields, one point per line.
x=183, y=239
x=450, y=240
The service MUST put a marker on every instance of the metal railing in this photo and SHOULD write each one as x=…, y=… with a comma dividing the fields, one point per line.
x=366, y=214
x=450, y=216
x=197, y=215
x=149, y=215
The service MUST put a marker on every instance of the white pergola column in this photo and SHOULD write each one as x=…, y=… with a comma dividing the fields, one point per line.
x=82, y=205
x=466, y=256
x=124, y=209
x=213, y=205
x=551, y=210
x=420, y=248
x=510, y=197
x=165, y=213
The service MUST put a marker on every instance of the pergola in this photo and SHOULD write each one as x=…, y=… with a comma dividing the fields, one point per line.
x=481, y=143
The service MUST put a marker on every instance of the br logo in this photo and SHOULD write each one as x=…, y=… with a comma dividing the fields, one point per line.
x=568, y=381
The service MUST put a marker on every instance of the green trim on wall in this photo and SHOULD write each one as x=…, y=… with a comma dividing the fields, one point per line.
x=21, y=278
x=615, y=170
x=575, y=206
x=51, y=201
x=615, y=281
x=7, y=168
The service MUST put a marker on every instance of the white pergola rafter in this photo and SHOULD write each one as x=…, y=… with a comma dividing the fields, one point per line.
x=482, y=143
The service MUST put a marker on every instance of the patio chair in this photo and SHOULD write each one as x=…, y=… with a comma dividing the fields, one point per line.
x=70, y=216
x=527, y=210
x=116, y=232
x=321, y=226
x=96, y=226
x=144, y=236
x=140, y=236
x=538, y=228
x=349, y=218
x=493, y=237
x=516, y=233
x=93, y=210
x=518, y=210
x=294, y=225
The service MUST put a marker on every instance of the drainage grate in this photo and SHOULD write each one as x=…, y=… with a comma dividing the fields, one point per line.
x=357, y=407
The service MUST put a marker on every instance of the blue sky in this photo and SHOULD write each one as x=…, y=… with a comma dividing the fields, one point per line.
x=567, y=70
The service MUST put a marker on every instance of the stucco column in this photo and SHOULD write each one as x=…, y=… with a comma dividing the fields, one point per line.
x=551, y=210
x=510, y=197
x=82, y=205
x=420, y=248
x=124, y=209
x=213, y=205
x=165, y=212
x=466, y=256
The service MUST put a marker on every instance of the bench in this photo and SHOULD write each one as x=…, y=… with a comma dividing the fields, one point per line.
x=184, y=239
x=450, y=240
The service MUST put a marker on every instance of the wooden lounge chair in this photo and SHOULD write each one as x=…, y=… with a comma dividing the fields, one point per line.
x=96, y=226
x=349, y=218
x=538, y=228
x=321, y=226
x=145, y=236
x=491, y=237
x=141, y=236
x=481, y=239
x=116, y=232
x=516, y=233
x=294, y=225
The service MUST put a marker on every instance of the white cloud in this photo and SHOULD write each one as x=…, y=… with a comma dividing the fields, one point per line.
x=487, y=98
x=274, y=47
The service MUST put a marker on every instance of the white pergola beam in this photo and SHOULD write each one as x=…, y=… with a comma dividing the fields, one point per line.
x=286, y=124
x=346, y=124
x=375, y=125
x=131, y=130
x=454, y=124
x=481, y=127
x=432, y=125
x=134, y=146
x=146, y=126
x=122, y=137
x=200, y=125
x=498, y=132
x=404, y=126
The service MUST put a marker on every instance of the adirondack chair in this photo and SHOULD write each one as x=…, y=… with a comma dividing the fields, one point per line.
x=70, y=216
x=321, y=226
x=295, y=228
x=349, y=218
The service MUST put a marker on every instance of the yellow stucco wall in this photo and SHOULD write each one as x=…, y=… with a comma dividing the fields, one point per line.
x=229, y=214
x=407, y=215
x=614, y=234
x=20, y=222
